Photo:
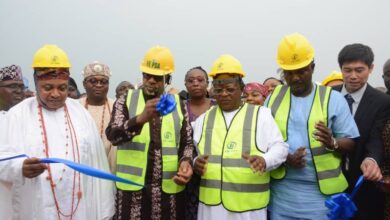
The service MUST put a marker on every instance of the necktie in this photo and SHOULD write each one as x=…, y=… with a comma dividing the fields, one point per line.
x=350, y=101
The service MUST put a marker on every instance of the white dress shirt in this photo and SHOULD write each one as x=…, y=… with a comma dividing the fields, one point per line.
x=357, y=97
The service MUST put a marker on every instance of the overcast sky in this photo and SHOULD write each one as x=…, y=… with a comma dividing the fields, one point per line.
x=119, y=32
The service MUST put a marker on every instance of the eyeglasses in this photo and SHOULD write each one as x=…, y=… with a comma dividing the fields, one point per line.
x=156, y=78
x=229, y=91
x=14, y=86
x=95, y=82
x=193, y=80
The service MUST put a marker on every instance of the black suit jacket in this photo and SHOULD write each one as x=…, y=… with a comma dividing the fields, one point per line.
x=370, y=117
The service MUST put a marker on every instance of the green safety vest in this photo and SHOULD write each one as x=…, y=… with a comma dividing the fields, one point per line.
x=132, y=157
x=326, y=163
x=228, y=178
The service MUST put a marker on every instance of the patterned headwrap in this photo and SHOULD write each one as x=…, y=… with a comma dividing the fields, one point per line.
x=254, y=86
x=52, y=73
x=96, y=69
x=13, y=72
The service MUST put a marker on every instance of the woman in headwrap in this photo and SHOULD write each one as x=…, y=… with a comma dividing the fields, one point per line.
x=255, y=93
x=272, y=82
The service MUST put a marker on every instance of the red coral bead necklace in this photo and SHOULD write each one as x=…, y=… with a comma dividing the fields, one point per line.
x=70, y=131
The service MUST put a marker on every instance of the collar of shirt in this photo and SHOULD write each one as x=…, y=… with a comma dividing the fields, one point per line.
x=229, y=116
x=357, y=96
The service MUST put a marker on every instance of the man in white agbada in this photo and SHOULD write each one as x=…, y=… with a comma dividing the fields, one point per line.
x=11, y=93
x=50, y=125
x=238, y=144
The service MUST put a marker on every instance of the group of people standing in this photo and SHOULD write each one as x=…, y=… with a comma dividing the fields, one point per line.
x=246, y=151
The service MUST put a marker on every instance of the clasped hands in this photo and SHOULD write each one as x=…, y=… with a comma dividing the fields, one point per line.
x=322, y=134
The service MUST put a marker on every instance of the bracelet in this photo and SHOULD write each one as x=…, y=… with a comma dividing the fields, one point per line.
x=335, y=145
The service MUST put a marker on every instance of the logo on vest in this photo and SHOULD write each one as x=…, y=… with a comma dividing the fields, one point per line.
x=231, y=147
x=168, y=136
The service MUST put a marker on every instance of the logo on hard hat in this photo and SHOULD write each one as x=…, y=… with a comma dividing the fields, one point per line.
x=153, y=64
x=220, y=66
x=295, y=58
x=54, y=59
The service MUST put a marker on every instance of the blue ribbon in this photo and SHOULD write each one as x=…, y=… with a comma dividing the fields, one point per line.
x=13, y=157
x=166, y=104
x=87, y=170
x=341, y=205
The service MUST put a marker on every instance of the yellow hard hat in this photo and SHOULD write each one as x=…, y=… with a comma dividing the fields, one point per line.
x=226, y=64
x=335, y=75
x=158, y=61
x=294, y=52
x=50, y=56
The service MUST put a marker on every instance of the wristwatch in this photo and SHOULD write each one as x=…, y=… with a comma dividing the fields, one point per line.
x=335, y=145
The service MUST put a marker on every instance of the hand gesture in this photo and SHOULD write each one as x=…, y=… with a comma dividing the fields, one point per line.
x=257, y=162
x=324, y=135
x=297, y=160
x=149, y=111
x=371, y=170
x=184, y=175
x=200, y=164
x=32, y=167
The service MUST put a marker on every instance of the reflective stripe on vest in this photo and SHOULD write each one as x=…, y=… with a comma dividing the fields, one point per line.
x=228, y=178
x=132, y=156
x=327, y=164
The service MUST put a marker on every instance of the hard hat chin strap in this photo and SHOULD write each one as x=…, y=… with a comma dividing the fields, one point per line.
x=167, y=81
